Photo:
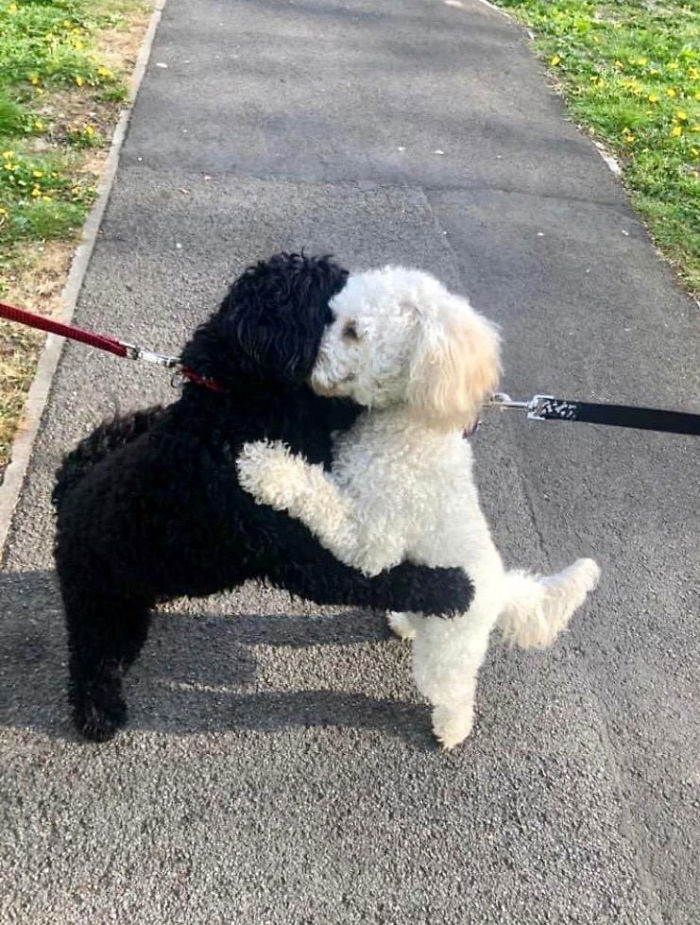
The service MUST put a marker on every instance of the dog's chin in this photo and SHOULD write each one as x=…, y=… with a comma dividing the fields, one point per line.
x=326, y=389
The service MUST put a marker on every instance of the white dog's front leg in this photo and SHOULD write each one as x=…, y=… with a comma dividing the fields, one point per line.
x=275, y=476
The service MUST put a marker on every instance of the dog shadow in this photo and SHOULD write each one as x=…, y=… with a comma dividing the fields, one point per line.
x=197, y=673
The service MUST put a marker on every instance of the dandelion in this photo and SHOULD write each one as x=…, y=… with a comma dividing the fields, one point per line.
x=670, y=93
x=682, y=115
x=33, y=79
x=47, y=198
x=672, y=66
x=37, y=174
x=653, y=97
x=79, y=80
x=104, y=72
x=618, y=65
x=555, y=60
x=36, y=192
x=39, y=125
x=694, y=73
x=8, y=154
x=677, y=131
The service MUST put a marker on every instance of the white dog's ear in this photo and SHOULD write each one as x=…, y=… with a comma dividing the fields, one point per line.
x=456, y=364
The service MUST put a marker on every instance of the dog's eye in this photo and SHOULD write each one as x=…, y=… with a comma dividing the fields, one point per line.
x=350, y=331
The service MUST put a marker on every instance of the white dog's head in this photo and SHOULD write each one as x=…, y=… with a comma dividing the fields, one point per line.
x=399, y=337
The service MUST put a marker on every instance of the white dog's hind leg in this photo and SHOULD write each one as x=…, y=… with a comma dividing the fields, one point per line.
x=538, y=608
x=403, y=625
x=447, y=655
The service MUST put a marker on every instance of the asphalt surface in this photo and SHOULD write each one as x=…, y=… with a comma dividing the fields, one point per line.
x=278, y=767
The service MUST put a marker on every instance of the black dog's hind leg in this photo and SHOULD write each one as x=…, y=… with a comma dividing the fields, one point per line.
x=105, y=635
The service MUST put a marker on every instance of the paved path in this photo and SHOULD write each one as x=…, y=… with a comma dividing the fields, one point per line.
x=279, y=768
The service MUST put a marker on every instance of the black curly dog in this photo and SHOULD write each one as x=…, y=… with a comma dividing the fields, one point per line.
x=149, y=508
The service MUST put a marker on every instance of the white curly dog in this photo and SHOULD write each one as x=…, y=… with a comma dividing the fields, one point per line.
x=422, y=362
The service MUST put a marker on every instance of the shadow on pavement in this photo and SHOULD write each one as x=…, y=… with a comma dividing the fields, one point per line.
x=196, y=673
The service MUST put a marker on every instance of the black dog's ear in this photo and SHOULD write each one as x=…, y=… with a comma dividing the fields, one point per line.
x=270, y=324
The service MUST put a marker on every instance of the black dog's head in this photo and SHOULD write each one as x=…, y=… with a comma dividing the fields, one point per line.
x=270, y=324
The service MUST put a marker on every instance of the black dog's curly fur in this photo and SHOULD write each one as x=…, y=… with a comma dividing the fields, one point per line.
x=149, y=508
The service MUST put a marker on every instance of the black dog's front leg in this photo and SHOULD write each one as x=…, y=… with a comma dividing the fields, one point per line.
x=325, y=580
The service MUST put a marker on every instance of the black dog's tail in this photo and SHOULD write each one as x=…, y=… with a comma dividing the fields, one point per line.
x=110, y=435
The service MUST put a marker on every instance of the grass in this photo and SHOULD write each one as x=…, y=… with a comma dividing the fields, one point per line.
x=63, y=68
x=630, y=73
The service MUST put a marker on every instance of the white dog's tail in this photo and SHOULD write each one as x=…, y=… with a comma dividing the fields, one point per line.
x=537, y=609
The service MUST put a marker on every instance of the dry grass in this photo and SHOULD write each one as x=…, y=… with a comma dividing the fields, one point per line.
x=33, y=272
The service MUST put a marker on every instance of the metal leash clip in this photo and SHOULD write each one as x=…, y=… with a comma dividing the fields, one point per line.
x=534, y=406
x=134, y=352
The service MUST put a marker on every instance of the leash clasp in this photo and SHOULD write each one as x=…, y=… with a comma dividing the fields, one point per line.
x=134, y=352
x=534, y=406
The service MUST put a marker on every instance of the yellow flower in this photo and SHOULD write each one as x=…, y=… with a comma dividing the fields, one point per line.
x=694, y=73
x=4, y=212
x=89, y=131
x=39, y=125
x=695, y=152
x=672, y=66
x=47, y=198
x=79, y=80
x=641, y=61
x=34, y=79
x=677, y=131
x=618, y=65
x=653, y=97
x=37, y=173
x=697, y=96
x=8, y=154
x=682, y=115
x=555, y=60
x=670, y=93
x=36, y=192
x=104, y=72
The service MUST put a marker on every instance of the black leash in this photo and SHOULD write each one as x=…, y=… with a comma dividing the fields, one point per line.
x=548, y=408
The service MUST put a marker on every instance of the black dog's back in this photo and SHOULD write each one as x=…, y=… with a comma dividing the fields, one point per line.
x=109, y=436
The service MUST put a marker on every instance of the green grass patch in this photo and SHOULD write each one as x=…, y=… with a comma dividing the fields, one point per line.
x=55, y=91
x=60, y=91
x=630, y=72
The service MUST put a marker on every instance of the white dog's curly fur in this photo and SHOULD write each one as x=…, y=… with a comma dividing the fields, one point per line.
x=422, y=361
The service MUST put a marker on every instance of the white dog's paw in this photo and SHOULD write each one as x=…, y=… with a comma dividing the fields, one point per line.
x=451, y=726
x=401, y=625
x=587, y=572
x=269, y=472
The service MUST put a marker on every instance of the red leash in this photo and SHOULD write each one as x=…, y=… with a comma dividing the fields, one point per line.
x=104, y=342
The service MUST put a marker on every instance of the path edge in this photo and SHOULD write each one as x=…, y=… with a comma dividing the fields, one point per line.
x=37, y=397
